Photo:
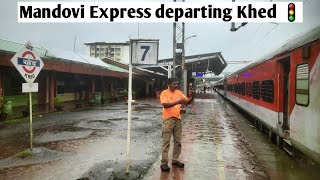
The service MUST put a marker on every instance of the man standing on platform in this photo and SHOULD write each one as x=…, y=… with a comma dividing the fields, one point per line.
x=171, y=100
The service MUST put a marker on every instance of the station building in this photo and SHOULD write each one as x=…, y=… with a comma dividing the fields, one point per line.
x=73, y=77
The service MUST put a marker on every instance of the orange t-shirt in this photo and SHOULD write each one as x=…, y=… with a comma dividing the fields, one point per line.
x=167, y=96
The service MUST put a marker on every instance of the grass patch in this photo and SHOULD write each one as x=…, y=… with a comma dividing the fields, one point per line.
x=24, y=154
x=21, y=100
x=16, y=121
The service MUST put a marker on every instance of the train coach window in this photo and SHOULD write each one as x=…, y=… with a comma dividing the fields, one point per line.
x=243, y=89
x=249, y=89
x=256, y=89
x=236, y=88
x=302, y=84
x=239, y=88
x=267, y=91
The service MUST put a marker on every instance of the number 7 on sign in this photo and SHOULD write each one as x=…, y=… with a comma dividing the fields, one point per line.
x=146, y=49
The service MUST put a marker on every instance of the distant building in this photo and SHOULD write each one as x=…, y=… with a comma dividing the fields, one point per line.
x=115, y=51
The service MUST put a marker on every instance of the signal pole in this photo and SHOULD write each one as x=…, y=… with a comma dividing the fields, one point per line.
x=174, y=49
x=178, y=57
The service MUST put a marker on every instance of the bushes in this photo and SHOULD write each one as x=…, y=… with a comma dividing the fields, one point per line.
x=5, y=107
x=58, y=103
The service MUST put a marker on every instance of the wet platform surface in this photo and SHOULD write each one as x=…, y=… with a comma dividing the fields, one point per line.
x=220, y=143
x=212, y=148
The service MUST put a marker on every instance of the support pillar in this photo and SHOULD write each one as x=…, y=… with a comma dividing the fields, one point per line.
x=51, y=91
x=112, y=88
x=147, y=89
x=47, y=89
x=42, y=90
x=93, y=88
x=103, y=89
x=1, y=82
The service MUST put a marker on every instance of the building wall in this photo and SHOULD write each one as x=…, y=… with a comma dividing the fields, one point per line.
x=70, y=96
x=125, y=54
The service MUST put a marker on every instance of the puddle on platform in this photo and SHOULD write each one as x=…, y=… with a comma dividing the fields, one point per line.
x=64, y=135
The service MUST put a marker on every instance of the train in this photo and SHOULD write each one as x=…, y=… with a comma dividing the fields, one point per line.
x=282, y=93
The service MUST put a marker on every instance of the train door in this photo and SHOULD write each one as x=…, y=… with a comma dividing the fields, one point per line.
x=286, y=94
x=225, y=87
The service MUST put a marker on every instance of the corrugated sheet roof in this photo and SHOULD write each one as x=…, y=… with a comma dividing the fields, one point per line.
x=78, y=58
x=95, y=61
x=116, y=68
x=55, y=53
x=14, y=47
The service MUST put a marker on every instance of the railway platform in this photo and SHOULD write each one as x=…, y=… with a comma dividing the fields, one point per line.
x=217, y=143
x=220, y=143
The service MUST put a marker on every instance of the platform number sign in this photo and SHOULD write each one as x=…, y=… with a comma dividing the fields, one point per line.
x=27, y=62
x=144, y=51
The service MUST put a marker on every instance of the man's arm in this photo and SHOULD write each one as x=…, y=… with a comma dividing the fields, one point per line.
x=169, y=105
x=191, y=98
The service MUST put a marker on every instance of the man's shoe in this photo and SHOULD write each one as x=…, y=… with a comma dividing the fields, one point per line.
x=178, y=164
x=165, y=167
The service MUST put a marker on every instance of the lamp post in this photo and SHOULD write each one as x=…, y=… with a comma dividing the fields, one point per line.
x=183, y=70
x=233, y=28
x=233, y=25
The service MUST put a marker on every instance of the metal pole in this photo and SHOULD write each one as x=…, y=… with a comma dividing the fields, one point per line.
x=183, y=61
x=185, y=74
x=169, y=71
x=30, y=109
x=129, y=114
x=174, y=49
x=233, y=25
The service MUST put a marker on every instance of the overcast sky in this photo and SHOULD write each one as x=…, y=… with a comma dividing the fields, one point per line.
x=248, y=43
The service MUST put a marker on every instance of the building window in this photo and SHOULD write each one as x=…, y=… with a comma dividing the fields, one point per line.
x=267, y=91
x=302, y=84
x=60, y=87
x=256, y=89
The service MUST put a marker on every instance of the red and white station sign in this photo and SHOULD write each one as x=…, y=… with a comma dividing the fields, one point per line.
x=27, y=62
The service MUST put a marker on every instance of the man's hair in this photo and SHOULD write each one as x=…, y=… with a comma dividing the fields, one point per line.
x=171, y=80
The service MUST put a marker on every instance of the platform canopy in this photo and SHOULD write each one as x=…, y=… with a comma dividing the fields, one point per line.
x=205, y=63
